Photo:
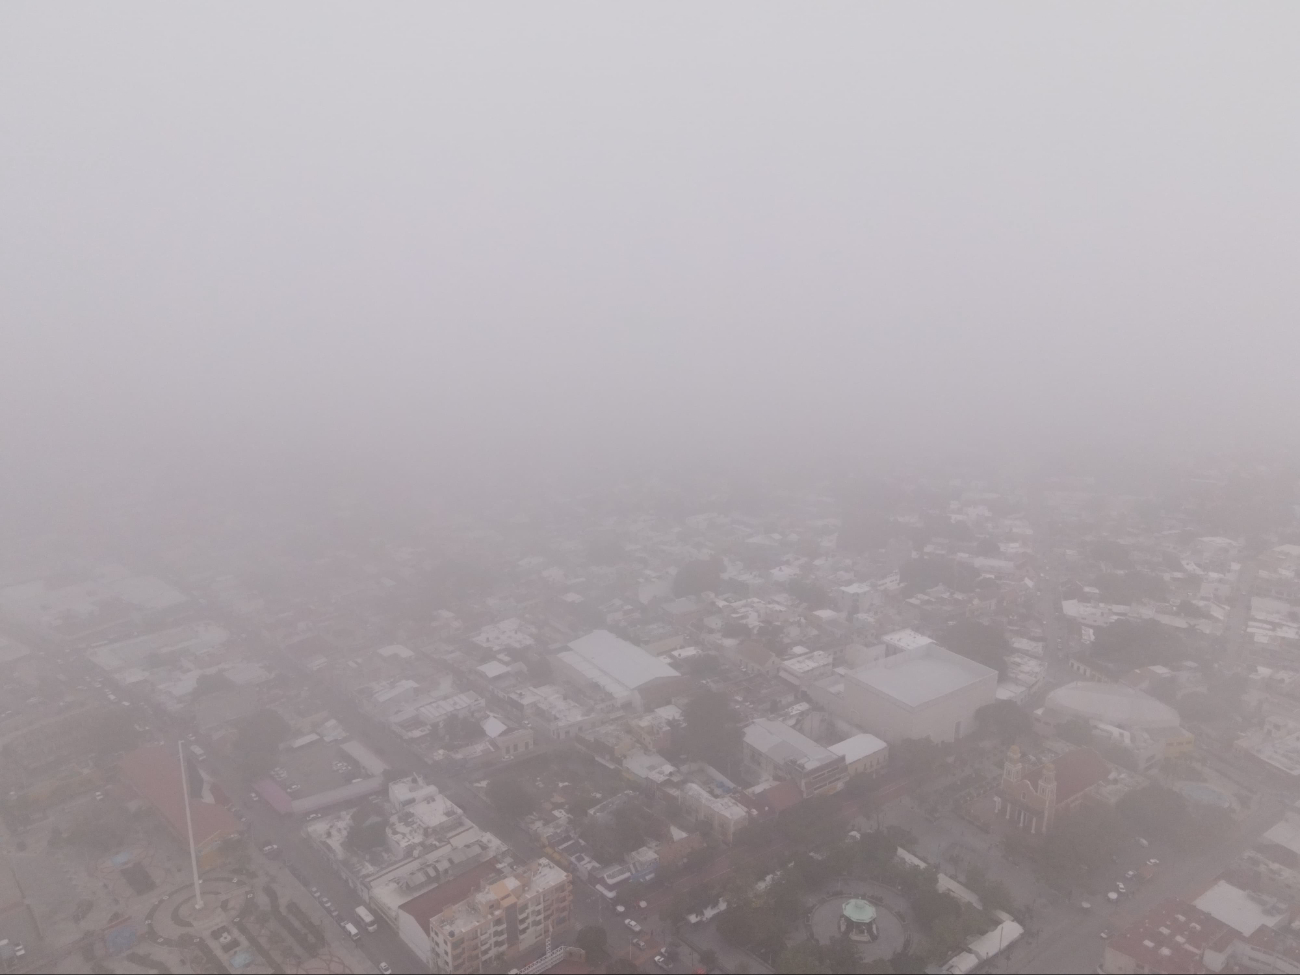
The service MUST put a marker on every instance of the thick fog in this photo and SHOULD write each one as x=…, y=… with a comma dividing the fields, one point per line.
x=481, y=233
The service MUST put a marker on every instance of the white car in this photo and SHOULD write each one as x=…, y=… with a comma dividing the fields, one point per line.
x=632, y=924
x=385, y=969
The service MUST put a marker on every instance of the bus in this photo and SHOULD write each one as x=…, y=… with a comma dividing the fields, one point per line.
x=367, y=919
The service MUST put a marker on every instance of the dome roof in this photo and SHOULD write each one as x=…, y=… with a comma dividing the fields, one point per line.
x=1114, y=704
x=859, y=911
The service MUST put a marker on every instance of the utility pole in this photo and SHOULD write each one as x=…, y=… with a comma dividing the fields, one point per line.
x=189, y=824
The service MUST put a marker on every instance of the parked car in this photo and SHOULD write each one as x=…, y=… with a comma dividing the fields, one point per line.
x=632, y=924
x=385, y=969
x=639, y=943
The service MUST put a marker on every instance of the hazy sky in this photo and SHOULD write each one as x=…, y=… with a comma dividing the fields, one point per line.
x=647, y=226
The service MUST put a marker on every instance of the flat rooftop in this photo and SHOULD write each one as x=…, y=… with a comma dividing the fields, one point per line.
x=782, y=744
x=625, y=662
x=916, y=677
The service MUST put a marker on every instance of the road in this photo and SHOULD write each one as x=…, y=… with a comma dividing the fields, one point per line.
x=1074, y=944
x=1234, y=627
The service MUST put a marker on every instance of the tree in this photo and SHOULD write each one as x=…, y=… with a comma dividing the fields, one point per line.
x=810, y=593
x=863, y=533
x=109, y=732
x=701, y=575
x=369, y=835
x=1155, y=810
x=1076, y=731
x=926, y=572
x=256, y=742
x=841, y=956
x=980, y=642
x=916, y=755
x=510, y=795
x=1080, y=846
x=1128, y=587
x=593, y=940
x=712, y=731
x=806, y=956
x=211, y=684
x=1132, y=644
x=1005, y=720
x=539, y=669
x=1112, y=553
x=903, y=962
x=100, y=831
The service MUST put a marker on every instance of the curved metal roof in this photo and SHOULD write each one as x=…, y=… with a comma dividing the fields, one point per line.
x=1114, y=704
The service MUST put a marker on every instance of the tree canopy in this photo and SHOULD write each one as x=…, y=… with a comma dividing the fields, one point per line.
x=701, y=575
x=257, y=739
x=510, y=796
x=712, y=731
x=594, y=940
x=211, y=684
x=1133, y=644
x=1131, y=586
x=981, y=642
x=926, y=572
x=1005, y=720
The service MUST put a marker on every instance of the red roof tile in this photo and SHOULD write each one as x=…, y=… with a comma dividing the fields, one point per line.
x=154, y=771
x=1171, y=939
x=1076, y=771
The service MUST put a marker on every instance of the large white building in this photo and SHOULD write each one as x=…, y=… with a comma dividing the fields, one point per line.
x=606, y=666
x=924, y=692
x=1146, y=728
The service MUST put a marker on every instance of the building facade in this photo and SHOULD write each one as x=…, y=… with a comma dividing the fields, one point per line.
x=503, y=920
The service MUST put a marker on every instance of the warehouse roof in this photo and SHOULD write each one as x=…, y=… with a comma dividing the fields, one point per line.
x=917, y=677
x=625, y=662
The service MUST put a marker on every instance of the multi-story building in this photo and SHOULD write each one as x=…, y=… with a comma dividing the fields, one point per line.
x=774, y=750
x=723, y=815
x=507, y=917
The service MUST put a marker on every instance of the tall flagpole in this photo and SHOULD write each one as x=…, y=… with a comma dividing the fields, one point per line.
x=189, y=825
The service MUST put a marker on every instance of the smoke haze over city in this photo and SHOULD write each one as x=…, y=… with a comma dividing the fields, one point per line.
x=620, y=488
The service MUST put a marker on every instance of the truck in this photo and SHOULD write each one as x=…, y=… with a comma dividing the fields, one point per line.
x=352, y=931
x=367, y=920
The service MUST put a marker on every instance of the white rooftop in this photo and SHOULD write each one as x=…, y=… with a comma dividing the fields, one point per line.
x=858, y=747
x=1240, y=909
x=783, y=744
x=626, y=663
x=917, y=677
x=906, y=639
x=1115, y=704
x=1286, y=833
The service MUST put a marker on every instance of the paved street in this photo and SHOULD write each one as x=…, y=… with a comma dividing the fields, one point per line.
x=1073, y=943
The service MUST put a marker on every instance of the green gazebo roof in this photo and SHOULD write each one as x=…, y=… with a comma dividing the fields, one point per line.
x=859, y=911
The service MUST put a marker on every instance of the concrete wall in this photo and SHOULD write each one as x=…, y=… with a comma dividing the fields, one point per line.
x=887, y=718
